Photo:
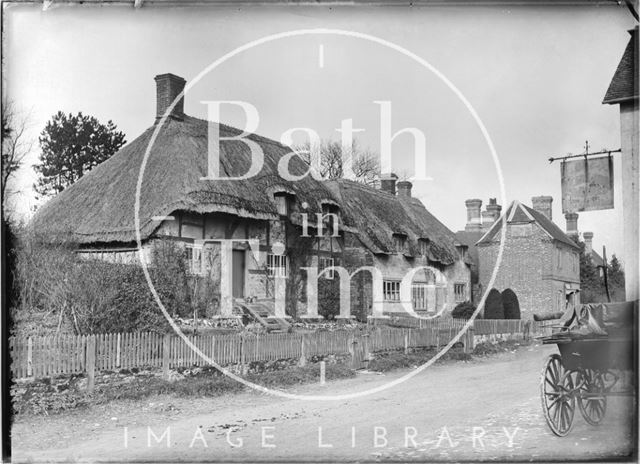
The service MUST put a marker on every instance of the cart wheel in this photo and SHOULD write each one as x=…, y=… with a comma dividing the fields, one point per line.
x=558, y=400
x=594, y=406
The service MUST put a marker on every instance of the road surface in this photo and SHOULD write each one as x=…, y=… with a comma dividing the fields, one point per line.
x=485, y=409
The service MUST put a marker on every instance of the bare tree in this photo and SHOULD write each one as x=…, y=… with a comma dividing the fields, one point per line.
x=331, y=160
x=15, y=146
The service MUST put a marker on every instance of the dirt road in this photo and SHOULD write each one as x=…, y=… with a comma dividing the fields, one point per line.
x=485, y=409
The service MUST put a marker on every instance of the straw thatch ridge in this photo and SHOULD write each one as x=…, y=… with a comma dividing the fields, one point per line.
x=377, y=215
x=100, y=206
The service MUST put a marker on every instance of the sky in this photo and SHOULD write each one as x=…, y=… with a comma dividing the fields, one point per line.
x=535, y=76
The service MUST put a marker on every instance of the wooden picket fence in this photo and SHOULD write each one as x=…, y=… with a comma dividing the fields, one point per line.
x=38, y=357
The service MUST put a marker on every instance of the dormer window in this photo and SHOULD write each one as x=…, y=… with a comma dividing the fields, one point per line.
x=462, y=251
x=400, y=242
x=423, y=245
x=283, y=203
x=331, y=219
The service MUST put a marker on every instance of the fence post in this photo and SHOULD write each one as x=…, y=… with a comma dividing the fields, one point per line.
x=303, y=359
x=91, y=362
x=243, y=367
x=323, y=372
x=29, y=357
x=406, y=342
x=165, y=356
x=468, y=346
x=118, y=351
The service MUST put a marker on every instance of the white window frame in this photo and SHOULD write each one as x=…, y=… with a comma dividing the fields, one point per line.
x=325, y=262
x=419, y=296
x=400, y=242
x=282, y=203
x=194, y=258
x=391, y=290
x=423, y=244
x=460, y=297
x=277, y=265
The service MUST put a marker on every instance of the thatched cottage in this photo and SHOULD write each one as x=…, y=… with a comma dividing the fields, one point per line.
x=375, y=227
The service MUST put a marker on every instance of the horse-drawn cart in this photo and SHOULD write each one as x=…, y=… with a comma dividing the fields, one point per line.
x=597, y=344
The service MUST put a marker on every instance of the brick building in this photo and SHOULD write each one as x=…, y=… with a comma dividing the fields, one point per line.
x=540, y=262
x=275, y=223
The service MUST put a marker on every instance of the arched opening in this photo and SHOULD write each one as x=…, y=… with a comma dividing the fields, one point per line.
x=511, y=304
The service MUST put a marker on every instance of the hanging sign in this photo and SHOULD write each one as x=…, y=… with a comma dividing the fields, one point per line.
x=587, y=184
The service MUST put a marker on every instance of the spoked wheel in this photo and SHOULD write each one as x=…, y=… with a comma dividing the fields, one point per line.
x=592, y=400
x=558, y=400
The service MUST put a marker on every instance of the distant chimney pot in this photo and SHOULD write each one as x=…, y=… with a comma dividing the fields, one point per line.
x=588, y=242
x=168, y=87
x=542, y=204
x=572, y=224
x=404, y=188
x=388, y=183
x=474, y=220
x=487, y=219
x=494, y=208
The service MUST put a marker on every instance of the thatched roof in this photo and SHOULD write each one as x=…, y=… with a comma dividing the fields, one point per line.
x=376, y=215
x=100, y=206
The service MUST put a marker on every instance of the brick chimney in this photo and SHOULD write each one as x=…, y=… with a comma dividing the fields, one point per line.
x=494, y=208
x=588, y=242
x=168, y=87
x=404, y=188
x=572, y=225
x=487, y=219
x=542, y=204
x=388, y=183
x=474, y=221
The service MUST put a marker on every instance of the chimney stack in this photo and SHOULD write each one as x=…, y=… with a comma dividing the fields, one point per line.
x=494, y=208
x=588, y=242
x=542, y=204
x=388, y=183
x=474, y=221
x=487, y=219
x=572, y=225
x=168, y=87
x=404, y=188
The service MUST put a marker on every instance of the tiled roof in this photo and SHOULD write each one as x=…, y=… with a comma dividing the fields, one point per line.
x=469, y=238
x=519, y=213
x=624, y=85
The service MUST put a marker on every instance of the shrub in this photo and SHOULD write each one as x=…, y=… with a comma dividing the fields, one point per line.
x=463, y=310
x=329, y=298
x=493, y=307
x=511, y=304
x=93, y=295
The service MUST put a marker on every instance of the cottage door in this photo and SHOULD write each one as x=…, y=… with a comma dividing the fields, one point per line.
x=238, y=273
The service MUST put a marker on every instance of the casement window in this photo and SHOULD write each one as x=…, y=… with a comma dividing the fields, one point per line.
x=325, y=263
x=391, y=290
x=282, y=203
x=423, y=244
x=419, y=297
x=277, y=265
x=460, y=292
x=194, y=258
x=462, y=251
x=400, y=242
x=330, y=219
